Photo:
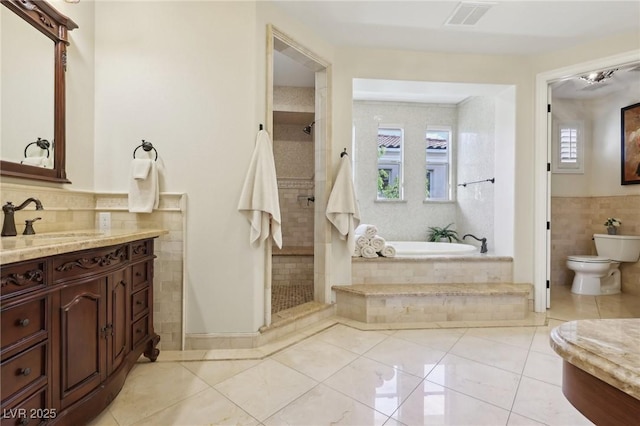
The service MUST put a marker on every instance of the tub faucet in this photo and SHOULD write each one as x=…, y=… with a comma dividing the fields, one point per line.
x=483, y=242
x=9, y=224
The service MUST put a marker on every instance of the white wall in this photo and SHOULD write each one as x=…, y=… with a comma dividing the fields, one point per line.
x=407, y=219
x=476, y=154
x=601, y=118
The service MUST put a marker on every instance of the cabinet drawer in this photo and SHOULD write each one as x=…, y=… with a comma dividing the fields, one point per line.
x=24, y=369
x=140, y=330
x=141, y=249
x=23, y=323
x=23, y=277
x=139, y=303
x=140, y=275
x=89, y=262
x=35, y=409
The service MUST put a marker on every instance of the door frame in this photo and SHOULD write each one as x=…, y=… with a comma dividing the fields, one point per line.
x=542, y=187
x=322, y=152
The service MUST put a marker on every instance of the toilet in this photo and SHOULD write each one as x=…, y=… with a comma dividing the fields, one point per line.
x=600, y=275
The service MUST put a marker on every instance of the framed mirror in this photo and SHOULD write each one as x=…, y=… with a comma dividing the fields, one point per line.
x=32, y=90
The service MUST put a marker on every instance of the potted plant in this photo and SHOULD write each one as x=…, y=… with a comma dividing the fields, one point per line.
x=437, y=233
x=612, y=225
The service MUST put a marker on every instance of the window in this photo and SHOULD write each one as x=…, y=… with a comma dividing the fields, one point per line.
x=438, y=143
x=568, y=148
x=390, y=163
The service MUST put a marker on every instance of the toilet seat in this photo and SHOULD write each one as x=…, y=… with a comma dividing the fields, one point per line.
x=589, y=259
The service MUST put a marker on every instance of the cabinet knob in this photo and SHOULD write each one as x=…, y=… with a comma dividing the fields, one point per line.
x=23, y=322
x=24, y=371
x=138, y=274
x=138, y=330
x=24, y=421
x=138, y=302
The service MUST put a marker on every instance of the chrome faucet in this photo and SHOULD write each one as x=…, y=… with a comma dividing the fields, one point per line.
x=9, y=224
x=483, y=242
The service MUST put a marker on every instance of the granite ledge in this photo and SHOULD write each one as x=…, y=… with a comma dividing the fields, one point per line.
x=608, y=349
x=436, y=258
x=457, y=289
x=27, y=247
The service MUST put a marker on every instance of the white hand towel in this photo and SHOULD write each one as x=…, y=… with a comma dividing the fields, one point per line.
x=369, y=252
x=362, y=241
x=35, y=161
x=144, y=194
x=342, y=207
x=388, y=251
x=378, y=243
x=369, y=231
x=357, y=252
x=140, y=168
x=259, y=198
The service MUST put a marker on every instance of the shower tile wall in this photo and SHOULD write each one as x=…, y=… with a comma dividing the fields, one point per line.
x=574, y=220
x=294, y=158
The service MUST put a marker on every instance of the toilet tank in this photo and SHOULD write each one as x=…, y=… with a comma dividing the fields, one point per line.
x=621, y=248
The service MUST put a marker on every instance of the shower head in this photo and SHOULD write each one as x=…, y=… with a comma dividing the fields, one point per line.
x=307, y=129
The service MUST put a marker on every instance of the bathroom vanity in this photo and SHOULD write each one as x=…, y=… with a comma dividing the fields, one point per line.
x=77, y=313
x=601, y=368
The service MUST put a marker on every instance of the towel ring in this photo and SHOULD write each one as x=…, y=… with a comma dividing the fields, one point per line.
x=42, y=144
x=146, y=146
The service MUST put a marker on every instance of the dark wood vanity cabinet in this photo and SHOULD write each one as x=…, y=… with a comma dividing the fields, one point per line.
x=73, y=325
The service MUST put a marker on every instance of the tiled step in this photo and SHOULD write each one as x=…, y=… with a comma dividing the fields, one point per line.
x=397, y=303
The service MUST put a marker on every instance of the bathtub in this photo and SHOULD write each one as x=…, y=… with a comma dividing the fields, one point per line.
x=426, y=249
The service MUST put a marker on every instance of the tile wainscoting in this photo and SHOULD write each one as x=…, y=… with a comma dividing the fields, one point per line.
x=574, y=220
x=68, y=210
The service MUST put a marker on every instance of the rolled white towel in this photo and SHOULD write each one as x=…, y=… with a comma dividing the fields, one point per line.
x=368, y=231
x=378, y=243
x=369, y=252
x=362, y=241
x=357, y=252
x=388, y=251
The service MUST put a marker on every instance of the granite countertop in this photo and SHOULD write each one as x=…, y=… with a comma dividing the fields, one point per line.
x=608, y=349
x=26, y=247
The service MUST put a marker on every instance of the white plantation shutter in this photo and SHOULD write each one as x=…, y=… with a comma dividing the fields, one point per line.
x=568, y=149
x=568, y=145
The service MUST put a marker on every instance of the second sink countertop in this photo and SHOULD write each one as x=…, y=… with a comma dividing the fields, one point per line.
x=26, y=247
x=608, y=349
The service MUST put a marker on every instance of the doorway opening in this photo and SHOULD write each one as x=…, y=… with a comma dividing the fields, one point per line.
x=599, y=178
x=297, y=117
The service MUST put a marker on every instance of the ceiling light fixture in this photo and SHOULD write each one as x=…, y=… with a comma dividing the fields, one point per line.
x=598, y=76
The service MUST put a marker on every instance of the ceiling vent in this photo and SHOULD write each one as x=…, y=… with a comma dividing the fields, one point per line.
x=469, y=13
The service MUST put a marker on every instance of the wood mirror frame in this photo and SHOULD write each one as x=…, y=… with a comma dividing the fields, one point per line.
x=46, y=19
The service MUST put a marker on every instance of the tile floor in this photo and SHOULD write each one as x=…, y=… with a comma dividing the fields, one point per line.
x=342, y=375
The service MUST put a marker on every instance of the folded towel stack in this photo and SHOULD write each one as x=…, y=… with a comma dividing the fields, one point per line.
x=370, y=245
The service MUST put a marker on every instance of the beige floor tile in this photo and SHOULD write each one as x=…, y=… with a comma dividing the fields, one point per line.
x=406, y=356
x=545, y=403
x=325, y=406
x=489, y=352
x=151, y=387
x=376, y=385
x=432, y=404
x=214, y=372
x=315, y=358
x=204, y=408
x=481, y=381
x=265, y=388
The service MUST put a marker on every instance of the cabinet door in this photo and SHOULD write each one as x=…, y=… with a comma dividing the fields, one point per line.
x=80, y=323
x=118, y=313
